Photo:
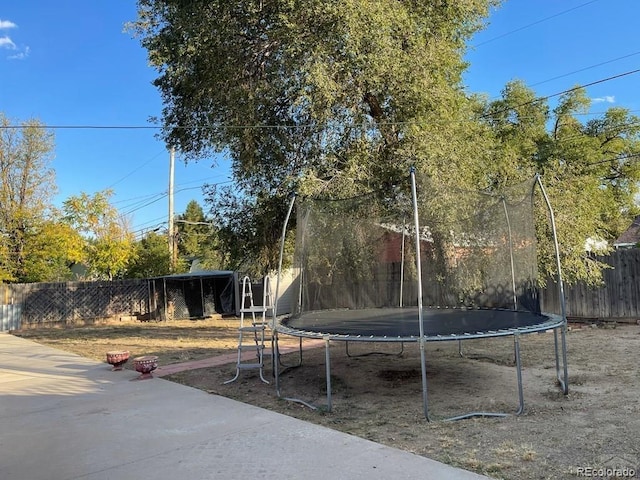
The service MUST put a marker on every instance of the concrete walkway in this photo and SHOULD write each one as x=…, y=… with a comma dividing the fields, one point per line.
x=65, y=417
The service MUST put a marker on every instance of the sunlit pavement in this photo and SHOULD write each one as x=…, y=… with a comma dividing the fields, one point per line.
x=65, y=417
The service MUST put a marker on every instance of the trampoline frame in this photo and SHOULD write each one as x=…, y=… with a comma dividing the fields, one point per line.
x=557, y=323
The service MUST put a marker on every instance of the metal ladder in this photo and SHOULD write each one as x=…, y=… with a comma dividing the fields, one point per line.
x=252, y=332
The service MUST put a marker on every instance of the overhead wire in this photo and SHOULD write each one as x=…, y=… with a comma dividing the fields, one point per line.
x=614, y=159
x=153, y=198
x=569, y=90
x=537, y=22
x=585, y=69
x=149, y=200
x=264, y=126
x=144, y=198
x=143, y=225
x=135, y=170
x=139, y=198
x=165, y=194
x=299, y=126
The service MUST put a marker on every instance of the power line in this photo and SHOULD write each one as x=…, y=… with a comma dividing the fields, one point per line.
x=143, y=198
x=136, y=169
x=142, y=203
x=164, y=195
x=201, y=180
x=537, y=99
x=82, y=127
x=537, y=22
x=585, y=68
x=153, y=225
x=140, y=198
x=144, y=225
x=188, y=222
x=618, y=158
x=569, y=90
x=258, y=126
x=141, y=127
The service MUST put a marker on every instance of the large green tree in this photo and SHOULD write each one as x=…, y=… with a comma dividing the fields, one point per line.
x=151, y=258
x=109, y=245
x=339, y=97
x=197, y=238
x=590, y=167
x=315, y=95
x=52, y=248
x=248, y=229
x=34, y=244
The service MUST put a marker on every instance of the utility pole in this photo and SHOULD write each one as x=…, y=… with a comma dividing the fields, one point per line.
x=172, y=236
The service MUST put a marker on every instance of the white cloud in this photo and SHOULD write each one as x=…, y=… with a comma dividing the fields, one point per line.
x=21, y=55
x=6, y=24
x=6, y=42
x=606, y=98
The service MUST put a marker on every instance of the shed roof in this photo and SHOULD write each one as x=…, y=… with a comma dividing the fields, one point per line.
x=200, y=274
x=631, y=236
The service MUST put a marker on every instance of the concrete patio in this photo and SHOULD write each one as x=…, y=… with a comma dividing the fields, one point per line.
x=63, y=416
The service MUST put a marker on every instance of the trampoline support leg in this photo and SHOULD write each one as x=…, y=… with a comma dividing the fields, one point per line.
x=299, y=352
x=299, y=364
x=276, y=361
x=516, y=351
x=425, y=396
x=276, y=364
x=328, y=371
x=520, y=410
x=563, y=375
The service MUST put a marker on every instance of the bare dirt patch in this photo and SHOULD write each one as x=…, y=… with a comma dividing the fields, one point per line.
x=379, y=397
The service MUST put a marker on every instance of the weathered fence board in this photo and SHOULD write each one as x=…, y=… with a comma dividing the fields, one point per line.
x=65, y=303
x=10, y=317
x=617, y=299
x=50, y=303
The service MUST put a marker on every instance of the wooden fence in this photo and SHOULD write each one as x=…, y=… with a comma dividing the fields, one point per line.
x=69, y=302
x=617, y=299
x=66, y=303
x=10, y=315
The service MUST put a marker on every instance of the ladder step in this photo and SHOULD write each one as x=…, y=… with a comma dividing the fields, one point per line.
x=249, y=366
x=257, y=324
x=250, y=347
x=255, y=309
x=255, y=328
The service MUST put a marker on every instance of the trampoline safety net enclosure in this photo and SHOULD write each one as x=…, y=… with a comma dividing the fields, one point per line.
x=369, y=268
x=478, y=251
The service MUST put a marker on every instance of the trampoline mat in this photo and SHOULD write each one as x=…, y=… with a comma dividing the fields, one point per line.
x=403, y=322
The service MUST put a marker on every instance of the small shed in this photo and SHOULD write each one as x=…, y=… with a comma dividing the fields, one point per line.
x=194, y=295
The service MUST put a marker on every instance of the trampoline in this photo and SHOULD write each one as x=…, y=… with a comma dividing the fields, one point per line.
x=401, y=324
x=448, y=266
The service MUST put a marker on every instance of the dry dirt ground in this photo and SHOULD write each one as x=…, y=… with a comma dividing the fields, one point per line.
x=592, y=432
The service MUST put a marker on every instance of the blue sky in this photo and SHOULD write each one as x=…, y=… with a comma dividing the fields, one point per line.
x=554, y=45
x=70, y=63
